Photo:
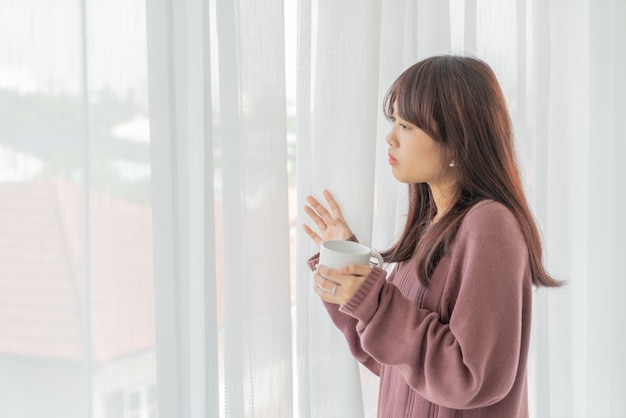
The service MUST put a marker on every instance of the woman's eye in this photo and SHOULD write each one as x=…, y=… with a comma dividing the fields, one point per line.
x=403, y=126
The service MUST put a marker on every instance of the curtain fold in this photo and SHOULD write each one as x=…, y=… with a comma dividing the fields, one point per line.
x=221, y=218
x=257, y=317
x=606, y=335
x=338, y=55
x=615, y=35
x=184, y=250
x=567, y=141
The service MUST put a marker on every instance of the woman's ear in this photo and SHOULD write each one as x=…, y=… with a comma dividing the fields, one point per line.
x=448, y=156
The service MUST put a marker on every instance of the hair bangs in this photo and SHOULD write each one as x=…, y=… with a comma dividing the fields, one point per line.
x=415, y=98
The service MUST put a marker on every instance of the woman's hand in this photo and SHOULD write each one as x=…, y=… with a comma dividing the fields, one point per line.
x=330, y=227
x=338, y=286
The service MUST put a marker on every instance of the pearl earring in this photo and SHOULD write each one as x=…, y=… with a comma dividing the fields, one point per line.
x=452, y=163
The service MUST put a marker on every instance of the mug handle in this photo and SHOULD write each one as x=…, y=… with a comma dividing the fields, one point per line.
x=378, y=257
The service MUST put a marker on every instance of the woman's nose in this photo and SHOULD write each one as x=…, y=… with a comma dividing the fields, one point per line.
x=390, y=139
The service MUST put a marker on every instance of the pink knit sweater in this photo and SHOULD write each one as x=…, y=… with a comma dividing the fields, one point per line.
x=458, y=347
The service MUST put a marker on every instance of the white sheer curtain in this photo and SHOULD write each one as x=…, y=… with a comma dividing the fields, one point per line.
x=220, y=208
x=151, y=256
x=577, y=102
x=76, y=275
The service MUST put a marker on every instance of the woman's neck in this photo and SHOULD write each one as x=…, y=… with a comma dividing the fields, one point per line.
x=444, y=196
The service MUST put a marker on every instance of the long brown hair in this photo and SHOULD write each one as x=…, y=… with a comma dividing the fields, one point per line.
x=458, y=102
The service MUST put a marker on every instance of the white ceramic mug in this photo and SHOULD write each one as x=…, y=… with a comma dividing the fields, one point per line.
x=337, y=253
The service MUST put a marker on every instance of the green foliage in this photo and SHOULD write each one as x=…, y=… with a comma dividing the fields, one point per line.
x=53, y=128
x=37, y=114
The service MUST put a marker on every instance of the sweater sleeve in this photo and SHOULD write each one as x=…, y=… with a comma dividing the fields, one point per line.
x=473, y=360
x=347, y=324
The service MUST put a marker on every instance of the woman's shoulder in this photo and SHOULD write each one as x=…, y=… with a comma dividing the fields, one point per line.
x=489, y=217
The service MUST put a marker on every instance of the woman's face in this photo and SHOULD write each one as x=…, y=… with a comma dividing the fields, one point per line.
x=414, y=156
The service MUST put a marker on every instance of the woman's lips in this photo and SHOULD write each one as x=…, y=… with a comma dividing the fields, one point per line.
x=392, y=160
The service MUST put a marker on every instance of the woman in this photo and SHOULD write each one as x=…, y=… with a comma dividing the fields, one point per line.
x=448, y=330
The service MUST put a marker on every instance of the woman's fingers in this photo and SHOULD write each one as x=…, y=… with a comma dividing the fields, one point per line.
x=319, y=214
x=337, y=286
x=329, y=295
x=330, y=225
x=329, y=290
x=332, y=203
x=317, y=209
x=325, y=282
x=321, y=225
x=317, y=206
x=356, y=270
x=316, y=238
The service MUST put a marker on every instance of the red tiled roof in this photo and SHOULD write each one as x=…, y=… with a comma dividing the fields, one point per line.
x=42, y=272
